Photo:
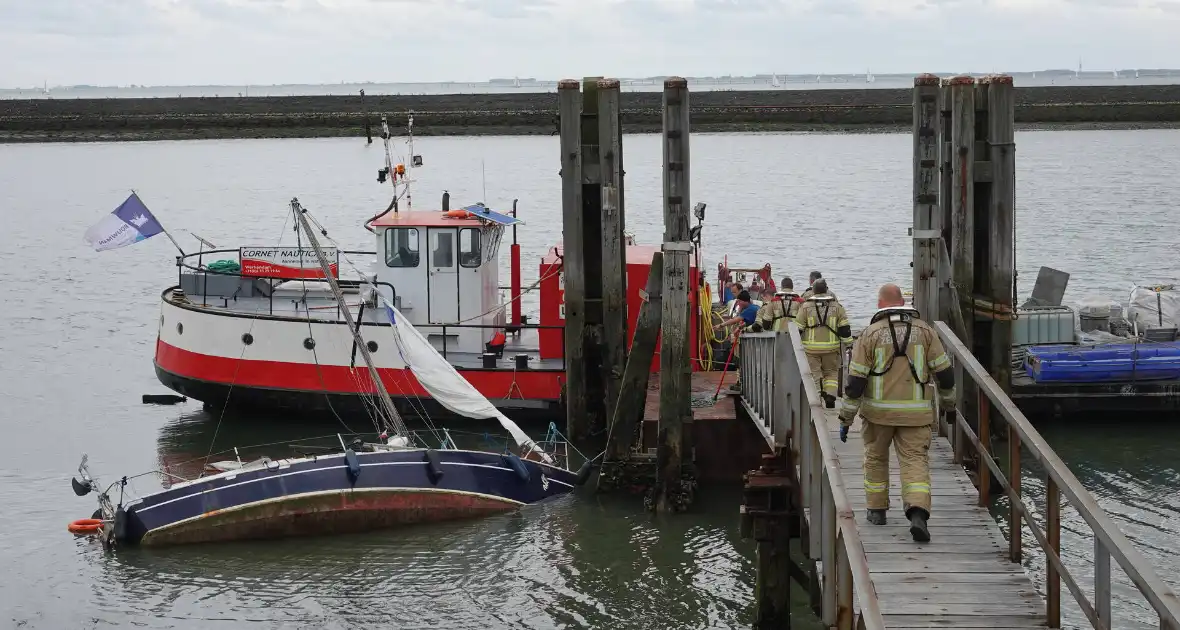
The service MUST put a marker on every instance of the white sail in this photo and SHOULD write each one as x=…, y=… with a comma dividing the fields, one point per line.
x=440, y=379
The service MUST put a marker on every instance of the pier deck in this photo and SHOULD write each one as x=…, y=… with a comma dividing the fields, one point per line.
x=970, y=575
x=962, y=578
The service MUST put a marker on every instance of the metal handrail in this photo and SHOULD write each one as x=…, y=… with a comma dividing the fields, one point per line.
x=779, y=391
x=1109, y=541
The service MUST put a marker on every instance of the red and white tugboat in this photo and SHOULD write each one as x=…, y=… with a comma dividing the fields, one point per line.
x=258, y=326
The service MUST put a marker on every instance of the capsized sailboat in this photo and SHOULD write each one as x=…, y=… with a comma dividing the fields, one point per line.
x=399, y=479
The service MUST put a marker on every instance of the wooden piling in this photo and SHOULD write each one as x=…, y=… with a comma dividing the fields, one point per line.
x=628, y=411
x=962, y=205
x=614, y=250
x=927, y=233
x=1001, y=104
x=368, y=125
x=674, y=436
x=573, y=260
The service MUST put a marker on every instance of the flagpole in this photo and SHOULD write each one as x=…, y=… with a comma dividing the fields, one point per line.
x=162, y=229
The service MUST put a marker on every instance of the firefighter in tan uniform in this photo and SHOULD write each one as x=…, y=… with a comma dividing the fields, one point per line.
x=791, y=303
x=811, y=278
x=770, y=313
x=893, y=363
x=824, y=326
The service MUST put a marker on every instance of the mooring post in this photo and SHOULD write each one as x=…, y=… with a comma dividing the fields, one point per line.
x=614, y=250
x=1001, y=142
x=962, y=203
x=946, y=297
x=767, y=510
x=674, y=436
x=573, y=259
x=368, y=126
x=927, y=231
x=1000, y=265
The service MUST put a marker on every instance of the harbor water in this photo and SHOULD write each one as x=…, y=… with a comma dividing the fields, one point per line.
x=78, y=328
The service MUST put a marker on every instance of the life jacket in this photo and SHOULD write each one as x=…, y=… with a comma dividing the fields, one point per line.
x=823, y=310
x=906, y=315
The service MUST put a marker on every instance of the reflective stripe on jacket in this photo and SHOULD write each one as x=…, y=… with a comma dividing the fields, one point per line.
x=892, y=396
x=819, y=319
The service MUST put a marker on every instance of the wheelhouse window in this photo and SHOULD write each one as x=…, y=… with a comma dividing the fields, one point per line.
x=401, y=247
x=442, y=249
x=469, y=252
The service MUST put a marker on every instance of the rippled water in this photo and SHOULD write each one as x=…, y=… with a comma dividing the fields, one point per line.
x=77, y=335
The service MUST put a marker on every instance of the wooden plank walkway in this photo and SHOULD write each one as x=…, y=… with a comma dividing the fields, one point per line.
x=962, y=578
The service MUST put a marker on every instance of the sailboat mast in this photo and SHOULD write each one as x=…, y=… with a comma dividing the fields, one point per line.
x=399, y=426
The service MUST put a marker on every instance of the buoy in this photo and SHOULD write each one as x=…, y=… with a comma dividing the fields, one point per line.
x=85, y=526
x=456, y=214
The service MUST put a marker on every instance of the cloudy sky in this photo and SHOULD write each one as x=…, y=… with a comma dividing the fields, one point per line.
x=173, y=42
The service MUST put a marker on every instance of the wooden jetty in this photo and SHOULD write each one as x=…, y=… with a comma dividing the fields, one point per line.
x=865, y=576
x=811, y=487
x=809, y=484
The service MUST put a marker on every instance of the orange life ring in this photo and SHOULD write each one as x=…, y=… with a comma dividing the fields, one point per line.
x=457, y=214
x=85, y=526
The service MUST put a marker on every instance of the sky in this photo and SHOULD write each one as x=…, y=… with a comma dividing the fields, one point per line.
x=261, y=42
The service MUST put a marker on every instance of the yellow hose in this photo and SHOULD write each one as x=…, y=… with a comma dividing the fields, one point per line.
x=707, y=335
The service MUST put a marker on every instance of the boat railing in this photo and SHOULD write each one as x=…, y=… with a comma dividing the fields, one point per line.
x=184, y=263
x=1109, y=541
x=200, y=268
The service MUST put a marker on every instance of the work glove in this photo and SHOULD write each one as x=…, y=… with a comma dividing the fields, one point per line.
x=844, y=432
x=947, y=399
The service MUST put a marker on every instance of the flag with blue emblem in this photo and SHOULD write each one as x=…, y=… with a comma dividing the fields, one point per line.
x=130, y=223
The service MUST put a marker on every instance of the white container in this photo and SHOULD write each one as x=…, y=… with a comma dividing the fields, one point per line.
x=1044, y=326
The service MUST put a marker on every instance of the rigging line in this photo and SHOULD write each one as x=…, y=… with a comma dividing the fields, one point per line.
x=262, y=445
x=422, y=413
x=320, y=372
x=392, y=417
x=419, y=409
x=233, y=381
x=237, y=368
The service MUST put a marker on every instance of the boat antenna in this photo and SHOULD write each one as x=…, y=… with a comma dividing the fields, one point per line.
x=484, y=177
x=389, y=170
x=391, y=415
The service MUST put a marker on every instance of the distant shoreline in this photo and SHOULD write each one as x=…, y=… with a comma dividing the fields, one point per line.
x=834, y=110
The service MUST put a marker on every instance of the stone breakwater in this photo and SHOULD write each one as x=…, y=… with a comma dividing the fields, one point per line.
x=531, y=113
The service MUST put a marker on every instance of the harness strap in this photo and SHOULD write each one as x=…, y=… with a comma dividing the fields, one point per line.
x=823, y=318
x=900, y=350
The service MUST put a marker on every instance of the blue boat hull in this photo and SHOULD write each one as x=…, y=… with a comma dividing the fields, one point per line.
x=326, y=495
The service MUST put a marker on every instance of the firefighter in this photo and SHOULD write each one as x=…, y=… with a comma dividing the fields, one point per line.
x=790, y=303
x=893, y=362
x=811, y=279
x=824, y=327
x=771, y=312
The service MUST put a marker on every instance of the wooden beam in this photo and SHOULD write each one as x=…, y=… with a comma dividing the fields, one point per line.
x=628, y=411
x=927, y=216
x=674, y=440
x=614, y=251
x=573, y=259
x=962, y=204
x=1002, y=229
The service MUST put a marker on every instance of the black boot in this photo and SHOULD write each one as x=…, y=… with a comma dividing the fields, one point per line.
x=918, y=528
x=877, y=517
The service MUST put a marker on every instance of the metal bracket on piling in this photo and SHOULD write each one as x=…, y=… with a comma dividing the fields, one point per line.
x=677, y=246
x=770, y=515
